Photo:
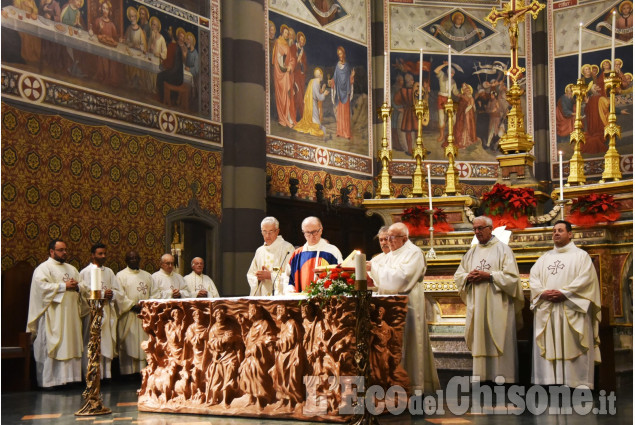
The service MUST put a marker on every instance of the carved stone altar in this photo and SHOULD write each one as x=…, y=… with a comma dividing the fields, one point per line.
x=264, y=357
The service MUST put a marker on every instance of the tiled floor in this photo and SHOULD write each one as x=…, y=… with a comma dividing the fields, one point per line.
x=58, y=407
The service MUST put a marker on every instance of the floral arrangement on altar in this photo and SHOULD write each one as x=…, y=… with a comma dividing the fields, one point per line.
x=335, y=282
x=594, y=208
x=509, y=206
x=417, y=219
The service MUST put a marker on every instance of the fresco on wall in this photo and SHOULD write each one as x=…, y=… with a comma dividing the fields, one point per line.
x=457, y=29
x=479, y=93
x=325, y=11
x=318, y=87
x=623, y=22
x=147, y=52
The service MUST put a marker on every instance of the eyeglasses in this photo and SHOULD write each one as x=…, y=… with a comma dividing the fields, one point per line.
x=268, y=232
x=393, y=237
x=383, y=239
x=312, y=232
x=480, y=228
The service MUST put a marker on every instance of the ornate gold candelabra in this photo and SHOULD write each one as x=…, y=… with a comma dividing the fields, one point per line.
x=576, y=165
x=418, y=154
x=385, y=156
x=612, y=131
x=362, y=350
x=516, y=138
x=431, y=254
x=452, y=174
x=93, y=403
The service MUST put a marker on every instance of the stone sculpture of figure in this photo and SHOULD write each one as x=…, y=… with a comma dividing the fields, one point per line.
x=224, y=355
x=174, y=333
x=254, y=378
x=196, y=337
x=288, y=370
x=384, y=350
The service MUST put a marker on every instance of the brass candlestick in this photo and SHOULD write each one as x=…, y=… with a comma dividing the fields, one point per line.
x=613, y=131
x=576, y=165
x=93, y=403
x=418, y=154
x=431, y=254
x=452, y=174
x=384, y=155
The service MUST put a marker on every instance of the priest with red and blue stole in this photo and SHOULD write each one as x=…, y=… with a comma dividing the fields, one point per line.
x=316, y=252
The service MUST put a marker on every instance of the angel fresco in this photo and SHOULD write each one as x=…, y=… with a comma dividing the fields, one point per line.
x=457, y=30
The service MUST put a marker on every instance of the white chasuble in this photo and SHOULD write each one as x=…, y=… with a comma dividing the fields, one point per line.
x=493, y=310
x=197, y=282
x=54, y=321
x=163, y=284
x=270, y=257
x=566, y=334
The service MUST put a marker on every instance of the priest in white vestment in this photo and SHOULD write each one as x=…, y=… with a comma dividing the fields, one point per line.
x=166, y=283
x=565, y=298
x=136, y=284
x=269, y=261
x=489, y=284
x=198, y=284
x=54, y=319
x=113, y=296
x=300, y=270
x=402, y=273
x=382, y=236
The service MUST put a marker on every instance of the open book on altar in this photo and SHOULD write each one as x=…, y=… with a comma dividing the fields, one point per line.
x=348, y=264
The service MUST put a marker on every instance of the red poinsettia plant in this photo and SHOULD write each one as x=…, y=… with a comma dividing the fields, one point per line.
x=417, y=219
x=594, y=208
x=509, y=206
x=332, y=282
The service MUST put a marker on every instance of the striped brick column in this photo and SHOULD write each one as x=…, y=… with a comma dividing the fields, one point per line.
x=541, y=96
x=244, y=157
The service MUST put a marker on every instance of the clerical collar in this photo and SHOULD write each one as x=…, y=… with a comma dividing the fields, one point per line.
x=489, y=241
x=564, y=248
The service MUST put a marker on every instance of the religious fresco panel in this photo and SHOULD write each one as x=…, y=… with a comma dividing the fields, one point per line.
x=596, y=20
x=97, y=58
x=318, y=98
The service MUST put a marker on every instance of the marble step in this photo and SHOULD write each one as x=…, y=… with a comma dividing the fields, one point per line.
x=448, y=342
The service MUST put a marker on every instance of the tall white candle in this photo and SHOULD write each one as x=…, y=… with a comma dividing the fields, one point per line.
x=360, y=266
x=386, y=78
x=507, y=73
x=580, y=50
x=420, y=71
x=449, y=71
x=561, y=187
x=95, y=279
x=429, y=188
x=613, y=41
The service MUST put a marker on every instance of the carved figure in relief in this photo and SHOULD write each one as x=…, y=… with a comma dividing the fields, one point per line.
x=384, y=350
x=194, y=351
x=254, y=378
x=174, y=333
x=224, y=354
x=288, y=370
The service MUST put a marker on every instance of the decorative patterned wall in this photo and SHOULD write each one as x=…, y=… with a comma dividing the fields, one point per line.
x=84, y=184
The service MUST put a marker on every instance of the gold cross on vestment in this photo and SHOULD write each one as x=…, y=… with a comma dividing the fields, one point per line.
x=513, y=13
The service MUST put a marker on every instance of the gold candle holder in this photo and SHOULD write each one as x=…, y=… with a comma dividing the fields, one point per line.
x=362, y=349
x=418, y=154
x=612, y=131
x=431, y=254
x=93, y=403
x=576, y=165
x=452, y=174
x=385, y=156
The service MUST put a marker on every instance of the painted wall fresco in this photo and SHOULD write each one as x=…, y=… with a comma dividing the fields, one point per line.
x=86, y=184
x=148, y=53
x=318, y=84
x=596, y=43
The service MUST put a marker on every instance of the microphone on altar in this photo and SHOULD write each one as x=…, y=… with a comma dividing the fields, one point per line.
x=273, y=282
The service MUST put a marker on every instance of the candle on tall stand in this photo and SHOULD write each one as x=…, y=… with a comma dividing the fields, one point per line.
x=613, y=42
x=560, y=169
x=420, y=71
x=360, y=271
x=429, y=188
x=580, y=50
x=449, y=72
x=386, y=74
x=507, y=73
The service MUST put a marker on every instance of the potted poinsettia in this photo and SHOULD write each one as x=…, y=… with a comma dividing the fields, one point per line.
x=417, y=219
x=594, y=208
x=509, y=206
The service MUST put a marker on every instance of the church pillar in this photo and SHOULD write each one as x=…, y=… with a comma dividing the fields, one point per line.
x=377, y=53
x=244, y=156
x=541, y=97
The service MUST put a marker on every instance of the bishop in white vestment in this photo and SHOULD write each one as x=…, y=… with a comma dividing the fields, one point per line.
x=489, y=284
x=402, y=272
x=198, y=284
x=565, y=298
x=268, y=261
x=136, y=285
x=166, y=283
x=113, y=296
x=54, y=319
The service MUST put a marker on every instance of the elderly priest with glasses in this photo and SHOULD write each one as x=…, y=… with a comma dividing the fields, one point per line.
x=402, y=273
